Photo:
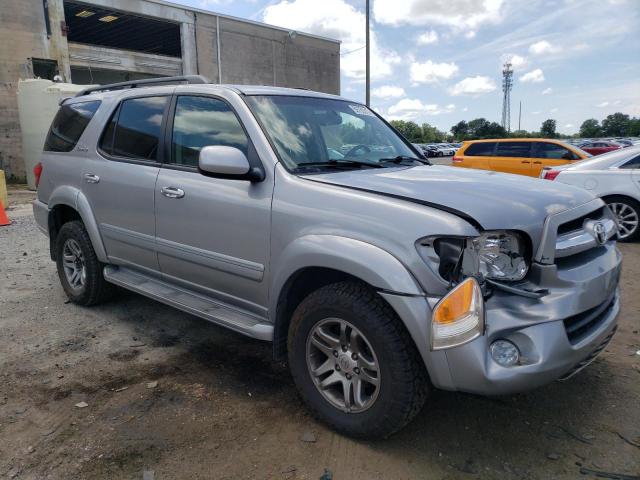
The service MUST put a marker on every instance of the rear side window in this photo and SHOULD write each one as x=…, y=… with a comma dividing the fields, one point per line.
x=514, y=149
x=68, y=125
x=482, y=149
x=633, y=163
x=134, y=129
x=553, y=150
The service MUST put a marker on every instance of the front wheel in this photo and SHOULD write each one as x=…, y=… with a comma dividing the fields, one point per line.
x=354, y=363
x=627, y=213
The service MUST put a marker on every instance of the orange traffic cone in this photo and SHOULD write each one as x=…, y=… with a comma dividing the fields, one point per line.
x=4, y=220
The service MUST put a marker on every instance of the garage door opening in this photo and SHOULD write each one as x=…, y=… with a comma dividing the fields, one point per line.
x=92, y=25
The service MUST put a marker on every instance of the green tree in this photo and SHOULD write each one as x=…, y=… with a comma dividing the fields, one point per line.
x=616, y=125
x=634, y=127
x=431, y=134
x=410, y=130
x=460, y=130
x=548, y=128
x=590, y=128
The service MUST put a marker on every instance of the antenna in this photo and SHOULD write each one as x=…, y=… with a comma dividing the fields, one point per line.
x=507, y=84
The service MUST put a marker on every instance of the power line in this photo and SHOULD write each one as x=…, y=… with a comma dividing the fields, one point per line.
x=351, y=51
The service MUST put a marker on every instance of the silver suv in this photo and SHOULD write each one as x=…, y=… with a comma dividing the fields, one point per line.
x=306, y=220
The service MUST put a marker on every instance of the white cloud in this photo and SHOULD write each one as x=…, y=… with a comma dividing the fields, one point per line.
x=462, y=16
x=536, y=113
x=603, y=104
x=465, y=109
x=388, y=91
x=340, y=20
x=430, y=72
x=428, y=38
x=547, y=91
x=413, y=109
x=553, y=110
x=473, y=86
x=542, y=47
x=568, y=125
x=534, y=76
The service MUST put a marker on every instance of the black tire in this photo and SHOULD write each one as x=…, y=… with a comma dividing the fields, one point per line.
x=634, y=206
x=403, y=378
x=440, y=154
x=95, y=288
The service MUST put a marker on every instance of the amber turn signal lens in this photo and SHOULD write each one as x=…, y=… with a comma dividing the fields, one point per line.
x=456, y=304
x=459, y=317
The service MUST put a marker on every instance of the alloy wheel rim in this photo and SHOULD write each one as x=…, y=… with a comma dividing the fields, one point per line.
x=73, y=263
x=627, y=218
x=343, y=365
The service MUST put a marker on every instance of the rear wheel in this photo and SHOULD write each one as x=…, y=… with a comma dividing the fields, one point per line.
x=627, y=213
x=79, y=269
x=354, y=363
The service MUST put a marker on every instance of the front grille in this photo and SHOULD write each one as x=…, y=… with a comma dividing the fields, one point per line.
x=581, y=325
x=578, y=223
x=579, y=235
x=592, y=356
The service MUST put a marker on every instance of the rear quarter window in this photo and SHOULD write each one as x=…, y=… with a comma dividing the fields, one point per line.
x=482, y=149
x=68, y=125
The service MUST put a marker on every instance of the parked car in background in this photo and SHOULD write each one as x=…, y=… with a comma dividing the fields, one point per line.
x=445, y=150
x=430, y=150
x=522, y=156
x=614, y=177
x=600, y=146
x=624, y=142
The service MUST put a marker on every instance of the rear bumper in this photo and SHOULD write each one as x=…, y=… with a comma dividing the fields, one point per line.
x=41, y=215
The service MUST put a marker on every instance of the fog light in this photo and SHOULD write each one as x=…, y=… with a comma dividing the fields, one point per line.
x=504, y=353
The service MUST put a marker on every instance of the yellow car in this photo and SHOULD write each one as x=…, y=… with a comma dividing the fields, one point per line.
x=522, y=156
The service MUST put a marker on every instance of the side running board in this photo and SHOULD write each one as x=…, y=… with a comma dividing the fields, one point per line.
x=190, y=302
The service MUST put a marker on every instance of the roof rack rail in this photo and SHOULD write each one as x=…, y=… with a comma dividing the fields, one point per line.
x=191, y=79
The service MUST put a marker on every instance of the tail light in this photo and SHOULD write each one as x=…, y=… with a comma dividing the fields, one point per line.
x=550, y=174
x=37, y=171
x=457, y=159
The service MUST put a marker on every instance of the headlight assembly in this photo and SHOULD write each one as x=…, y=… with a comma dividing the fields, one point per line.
x=501, y=255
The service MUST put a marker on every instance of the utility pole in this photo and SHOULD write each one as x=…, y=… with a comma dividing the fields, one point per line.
x=367, y=73
x=519, y=114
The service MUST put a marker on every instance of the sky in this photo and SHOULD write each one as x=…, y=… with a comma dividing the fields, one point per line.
x=440, y=61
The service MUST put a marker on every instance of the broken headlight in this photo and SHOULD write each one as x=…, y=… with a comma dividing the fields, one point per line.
x=501, y=255
x=498, y=255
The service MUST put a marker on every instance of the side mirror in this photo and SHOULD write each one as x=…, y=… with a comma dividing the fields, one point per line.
x=224, y=161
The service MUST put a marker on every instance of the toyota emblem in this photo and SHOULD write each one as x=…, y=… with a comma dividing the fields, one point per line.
x=599, y=233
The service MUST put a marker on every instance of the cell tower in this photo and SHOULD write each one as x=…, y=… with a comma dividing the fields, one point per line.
x=507, y=84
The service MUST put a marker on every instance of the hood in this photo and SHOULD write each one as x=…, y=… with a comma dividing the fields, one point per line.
x=489, y=200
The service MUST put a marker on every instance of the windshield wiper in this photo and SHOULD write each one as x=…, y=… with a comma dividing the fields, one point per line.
x=400, y=159
x=339, y=164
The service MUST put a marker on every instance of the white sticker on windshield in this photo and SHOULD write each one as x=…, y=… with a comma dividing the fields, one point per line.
x=361, y=110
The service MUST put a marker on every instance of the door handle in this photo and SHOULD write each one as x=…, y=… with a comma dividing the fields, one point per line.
x=91, y=178
x=538, y=163
x=172, y=192
x=525, y=161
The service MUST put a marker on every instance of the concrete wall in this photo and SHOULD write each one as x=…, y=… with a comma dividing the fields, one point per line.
x=241, y=52
x=22, y=36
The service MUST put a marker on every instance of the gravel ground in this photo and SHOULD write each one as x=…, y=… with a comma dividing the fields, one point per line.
x=170, y=396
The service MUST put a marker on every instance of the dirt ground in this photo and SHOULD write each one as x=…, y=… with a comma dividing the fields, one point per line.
x=170, y=396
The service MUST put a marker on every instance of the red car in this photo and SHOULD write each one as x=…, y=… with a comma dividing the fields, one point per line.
x=597, y=148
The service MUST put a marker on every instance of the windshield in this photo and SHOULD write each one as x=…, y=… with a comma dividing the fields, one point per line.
x=318, y=132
